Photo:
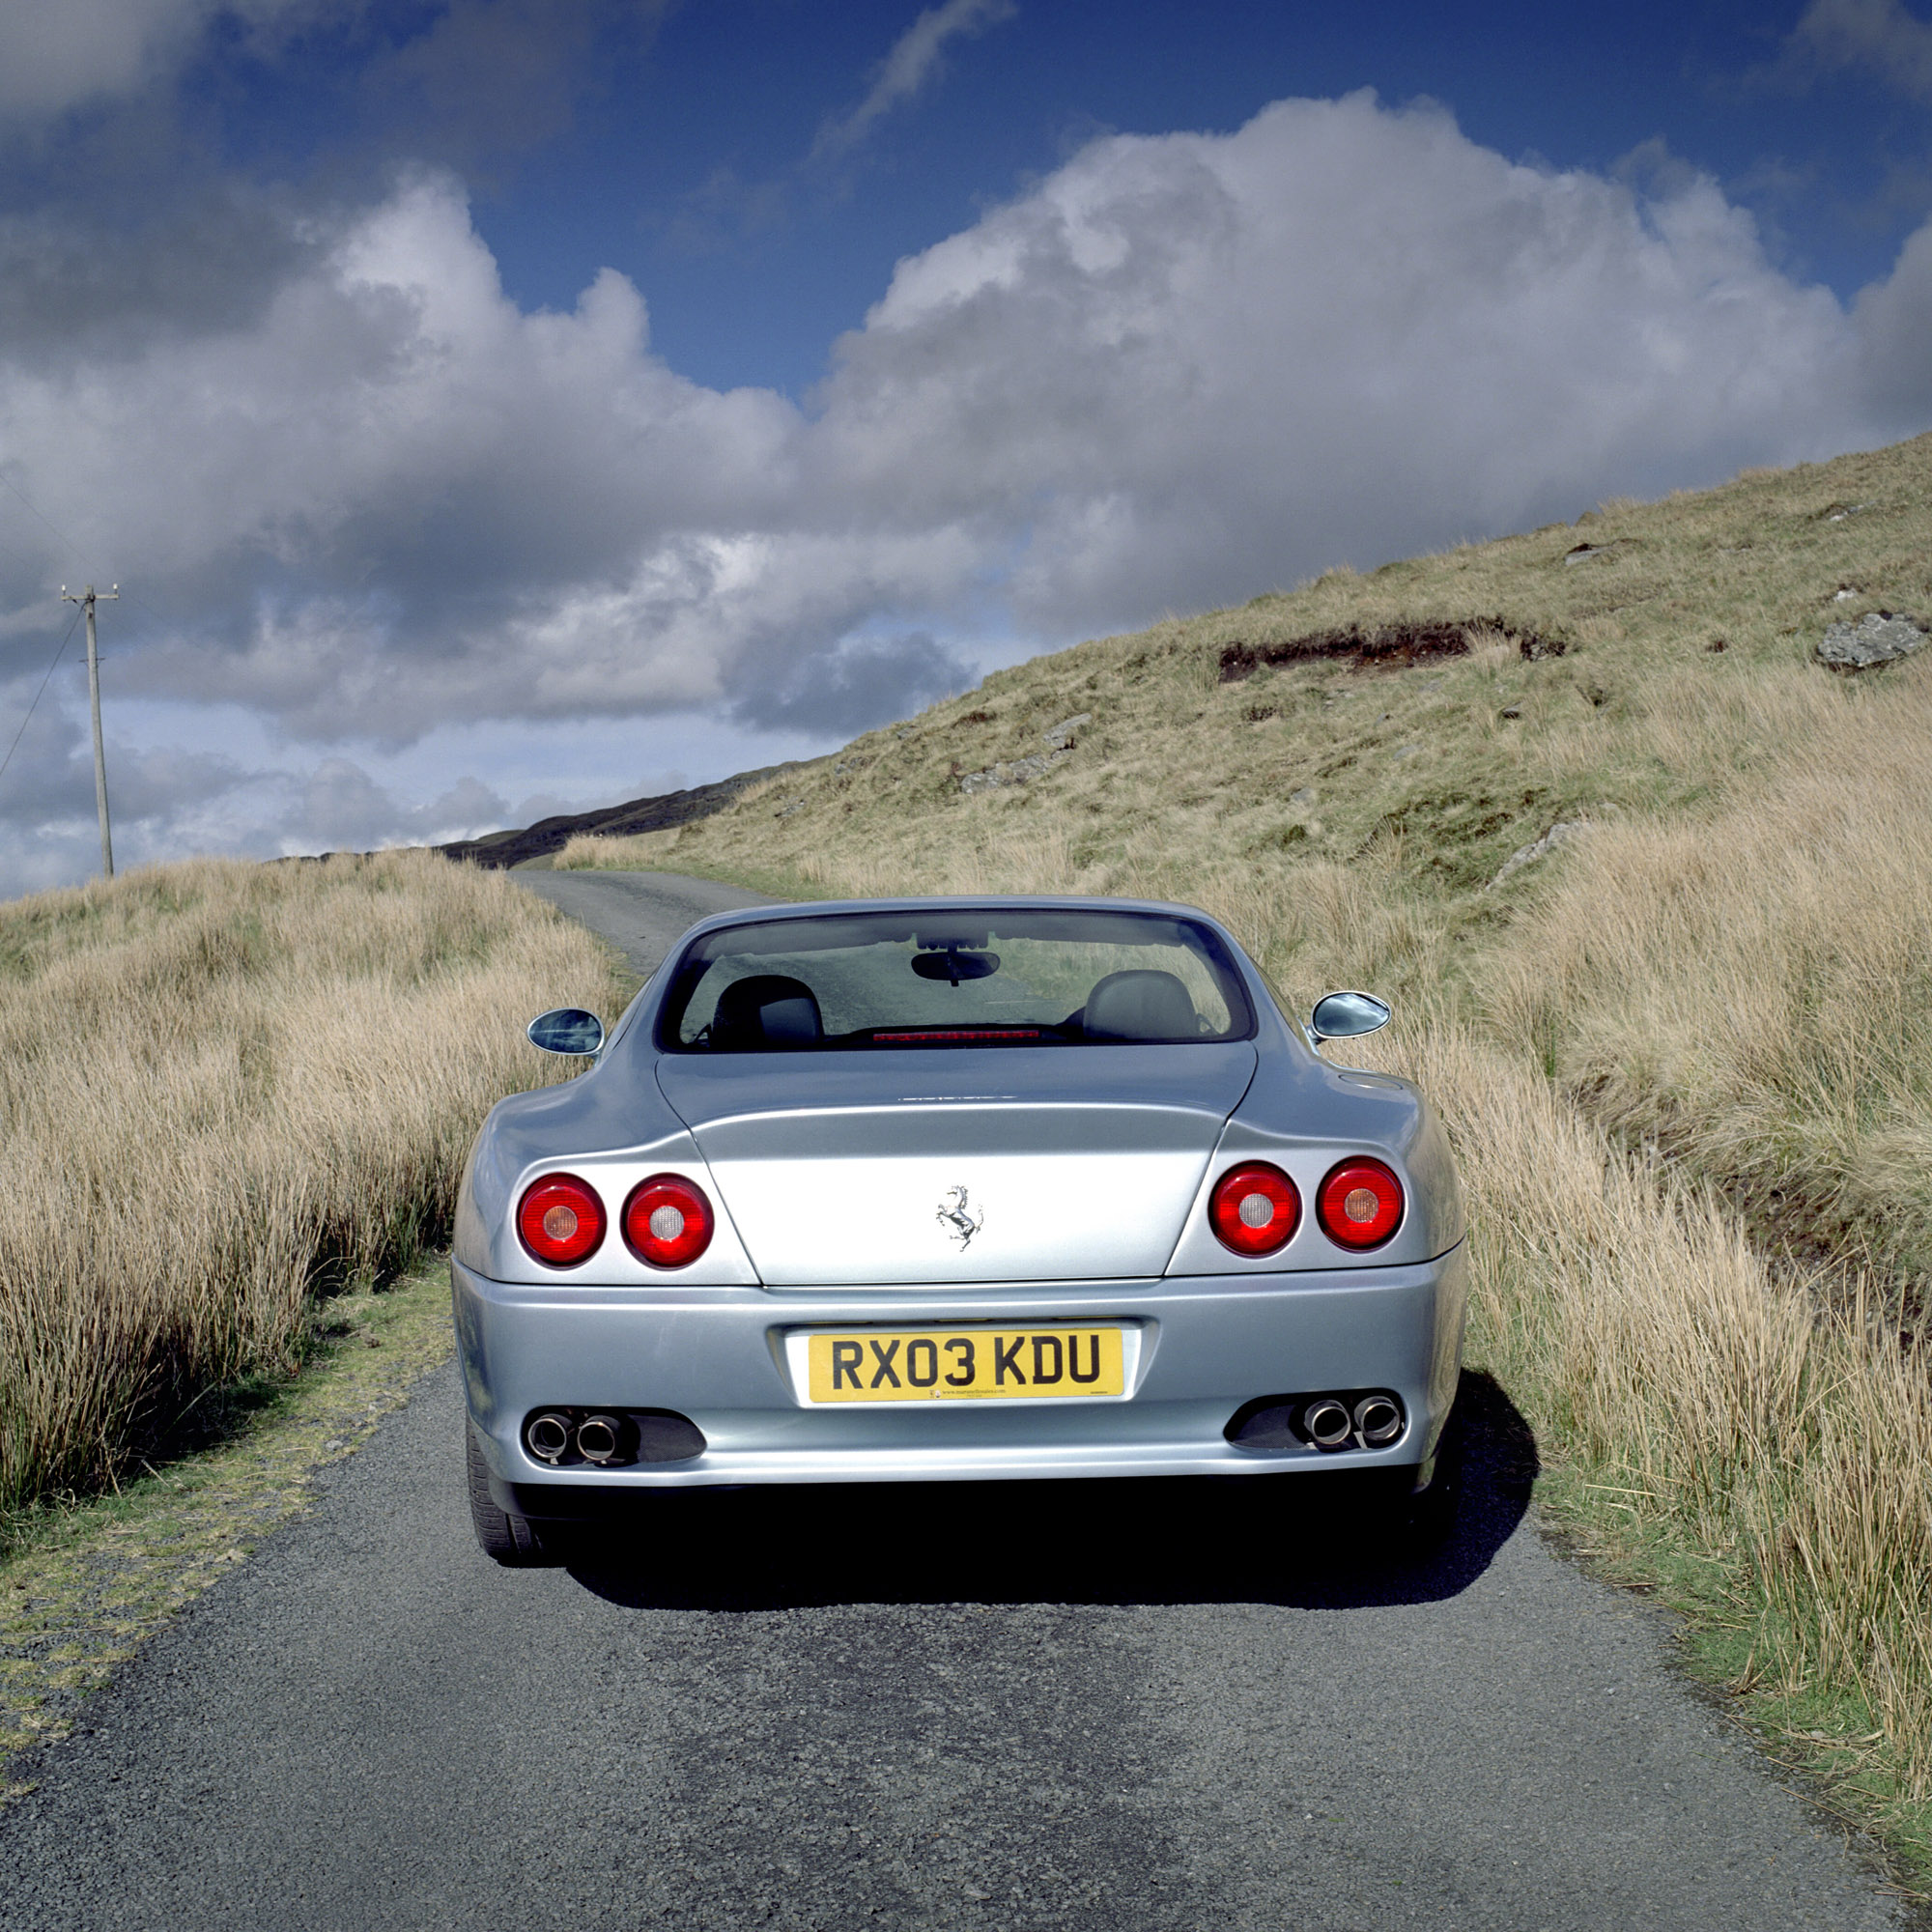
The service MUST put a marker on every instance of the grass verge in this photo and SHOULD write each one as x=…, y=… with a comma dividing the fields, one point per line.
x=85, y=1582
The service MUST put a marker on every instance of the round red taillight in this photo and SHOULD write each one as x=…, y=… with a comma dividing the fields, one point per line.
x=1255, y=1208
x=560, y=1220
x=668, y=1221
x=1360, y=1204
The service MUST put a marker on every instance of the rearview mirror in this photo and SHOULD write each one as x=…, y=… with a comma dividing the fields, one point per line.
x=1346, y=1015
x=955, y=966
x=567, y=1030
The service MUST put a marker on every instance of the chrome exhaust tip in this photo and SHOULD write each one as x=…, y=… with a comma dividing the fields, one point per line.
x=599, y=1438
x=549, y=1437
x=1327, y=1423
x=1378, y=1420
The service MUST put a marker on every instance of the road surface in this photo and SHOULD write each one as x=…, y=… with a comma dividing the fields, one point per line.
x=1121, y=1707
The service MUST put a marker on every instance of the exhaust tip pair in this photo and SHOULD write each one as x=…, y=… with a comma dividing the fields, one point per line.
x=1374, y=1421
x=561, y=1436
x=551, y=1435
x=1329, y=1420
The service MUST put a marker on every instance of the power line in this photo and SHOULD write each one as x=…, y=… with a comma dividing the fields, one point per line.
x=15, y=490
x=33, y=707
x=67, y=543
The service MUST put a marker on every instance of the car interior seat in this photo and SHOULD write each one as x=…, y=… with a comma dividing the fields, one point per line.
x=766, y=1010
x=1140, y=1005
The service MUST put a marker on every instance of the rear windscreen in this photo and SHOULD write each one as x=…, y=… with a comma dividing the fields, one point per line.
x=977, y=978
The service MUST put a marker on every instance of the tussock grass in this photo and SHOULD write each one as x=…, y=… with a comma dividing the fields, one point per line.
x=1728, y=968
x=223, y=1086
x=1701, y=1405
x=1751, y=987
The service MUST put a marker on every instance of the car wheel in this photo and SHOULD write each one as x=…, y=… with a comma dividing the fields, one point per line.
x=1429, y=1516
x=1383, y=1509
x=512, y=1541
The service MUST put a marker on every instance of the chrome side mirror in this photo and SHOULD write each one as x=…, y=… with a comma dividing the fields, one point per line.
x=1346, y=1016
x=567, y=1030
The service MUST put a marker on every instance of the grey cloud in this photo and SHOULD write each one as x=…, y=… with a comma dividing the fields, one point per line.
x=1895, y=332
x=209, y=261
x=159, y=785
x=129, y=223
x=468, y=804
x=1879, y=38
x=853, y=686
x=490, y=77
x=50, y=772
x=466, y=78
x=52, y=58
x=165, y=801
x=340, y=808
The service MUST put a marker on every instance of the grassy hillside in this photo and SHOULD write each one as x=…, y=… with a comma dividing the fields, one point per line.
x=226, y=1088
x=1684, y=1048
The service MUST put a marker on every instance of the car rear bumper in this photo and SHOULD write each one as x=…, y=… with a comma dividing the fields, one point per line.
x=1206, y=1345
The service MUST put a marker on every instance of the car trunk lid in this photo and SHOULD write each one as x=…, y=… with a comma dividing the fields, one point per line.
x=964, y=1165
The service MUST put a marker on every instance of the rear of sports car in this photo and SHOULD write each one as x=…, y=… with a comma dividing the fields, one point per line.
x=939, y=1190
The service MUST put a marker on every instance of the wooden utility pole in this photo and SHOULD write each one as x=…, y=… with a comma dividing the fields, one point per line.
x=86, y=600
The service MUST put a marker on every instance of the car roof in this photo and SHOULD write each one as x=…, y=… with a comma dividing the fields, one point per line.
x=955, y=902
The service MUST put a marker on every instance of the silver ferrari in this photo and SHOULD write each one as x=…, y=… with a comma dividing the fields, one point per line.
x=919, y=1190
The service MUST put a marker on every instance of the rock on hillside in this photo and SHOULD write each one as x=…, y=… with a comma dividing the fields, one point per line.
x=1877, y=637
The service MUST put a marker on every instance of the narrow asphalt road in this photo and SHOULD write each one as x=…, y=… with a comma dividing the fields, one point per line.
x=641, y=913
x=1116, y=1706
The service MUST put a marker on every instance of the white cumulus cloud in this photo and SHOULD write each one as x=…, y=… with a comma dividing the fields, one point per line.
x=1185, y=368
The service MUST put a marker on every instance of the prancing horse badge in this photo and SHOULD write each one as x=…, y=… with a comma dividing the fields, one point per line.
x=959, y=1220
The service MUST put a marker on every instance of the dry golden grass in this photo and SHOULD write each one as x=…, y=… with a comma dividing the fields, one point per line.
x=223, y=1084
x=1696, y=1398
x=1751, y=986
x=1731, y=965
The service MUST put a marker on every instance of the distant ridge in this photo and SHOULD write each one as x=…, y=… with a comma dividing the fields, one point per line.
x=498, y=851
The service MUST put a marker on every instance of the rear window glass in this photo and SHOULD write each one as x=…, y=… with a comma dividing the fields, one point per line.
x=973, y=978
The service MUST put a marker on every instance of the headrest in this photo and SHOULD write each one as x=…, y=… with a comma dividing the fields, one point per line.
x=1140, y=1005
x=766, y=1010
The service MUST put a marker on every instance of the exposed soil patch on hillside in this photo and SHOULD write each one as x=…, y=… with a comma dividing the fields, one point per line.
x=1392, y=647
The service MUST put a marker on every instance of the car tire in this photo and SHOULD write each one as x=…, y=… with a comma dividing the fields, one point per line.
x=512, y=1541
x=1429, y=1516
x=1385, y=1509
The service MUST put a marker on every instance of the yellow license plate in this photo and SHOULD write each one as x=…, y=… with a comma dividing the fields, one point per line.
x=950, y=1364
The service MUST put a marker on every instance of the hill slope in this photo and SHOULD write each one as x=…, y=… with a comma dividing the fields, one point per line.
x=1261, y=726
x=499, y=851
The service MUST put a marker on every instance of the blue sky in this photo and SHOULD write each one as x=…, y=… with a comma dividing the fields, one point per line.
x=501, y=405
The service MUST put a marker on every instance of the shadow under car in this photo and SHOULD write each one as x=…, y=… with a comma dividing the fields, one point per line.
x=1306, y=1540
